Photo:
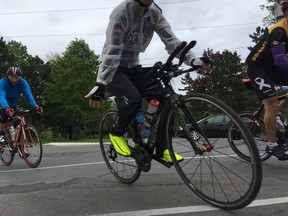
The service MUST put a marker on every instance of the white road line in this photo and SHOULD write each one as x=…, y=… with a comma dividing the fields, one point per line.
x=193, y=209
x=52, y=167
x=166, y=211
x=72, y=144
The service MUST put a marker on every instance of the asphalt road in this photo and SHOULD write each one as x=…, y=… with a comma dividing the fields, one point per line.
x=73, y=180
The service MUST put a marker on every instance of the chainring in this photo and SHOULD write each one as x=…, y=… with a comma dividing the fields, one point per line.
x=142, y=158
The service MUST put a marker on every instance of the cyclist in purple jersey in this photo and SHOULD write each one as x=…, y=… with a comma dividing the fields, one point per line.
x=267, y=66
x=129, y=32
x=11, y=87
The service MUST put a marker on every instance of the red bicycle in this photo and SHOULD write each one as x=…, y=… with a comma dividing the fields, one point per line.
x=22, y=138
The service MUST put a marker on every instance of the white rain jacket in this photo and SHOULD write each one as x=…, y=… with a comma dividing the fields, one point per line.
x=129, y=32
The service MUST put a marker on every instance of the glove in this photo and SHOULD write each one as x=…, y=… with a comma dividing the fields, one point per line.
x=98, y=92
x=9, y=111
x=38, y=109
x=202, y=63
x=198, y=62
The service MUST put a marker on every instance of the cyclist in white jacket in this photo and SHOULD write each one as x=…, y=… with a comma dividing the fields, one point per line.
x=130, y=30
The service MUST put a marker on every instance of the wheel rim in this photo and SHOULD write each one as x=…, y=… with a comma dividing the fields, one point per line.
x=218, y=176
x=31, y=148
x=257, y=128
x=125, y=169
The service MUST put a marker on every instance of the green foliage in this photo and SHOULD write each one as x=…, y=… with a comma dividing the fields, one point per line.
x=72, y=76
x=268, y=20
x=256, y=36
x=3, y=56
x=34, y=71
x=270, y=7
x=224, y=81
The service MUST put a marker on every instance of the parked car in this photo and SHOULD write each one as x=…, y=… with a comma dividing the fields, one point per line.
x=212, y=126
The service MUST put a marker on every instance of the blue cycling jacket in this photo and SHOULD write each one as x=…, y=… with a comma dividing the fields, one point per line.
x=9, y=94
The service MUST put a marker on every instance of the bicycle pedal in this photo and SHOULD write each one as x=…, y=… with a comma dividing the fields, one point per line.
x=20, y=153
x=162, y=161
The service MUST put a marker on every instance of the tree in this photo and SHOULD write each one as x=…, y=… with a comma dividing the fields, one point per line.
x=271, y=7
x=3, y=56
x=256, y=36
x=224, y=81
x=13, y=53
x=35, y=71
x=267, y=21
x=72, y=76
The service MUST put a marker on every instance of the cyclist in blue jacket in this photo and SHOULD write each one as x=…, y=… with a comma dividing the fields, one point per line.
x=11, y=88
x=130, y=30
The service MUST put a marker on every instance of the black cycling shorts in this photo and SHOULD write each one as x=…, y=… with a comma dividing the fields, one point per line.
x=264, y=80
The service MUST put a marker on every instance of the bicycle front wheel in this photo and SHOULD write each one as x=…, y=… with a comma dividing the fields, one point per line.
x=7, y=154
x=256, y=126
x=125, y=169
x=31, y=146
x=210, y=168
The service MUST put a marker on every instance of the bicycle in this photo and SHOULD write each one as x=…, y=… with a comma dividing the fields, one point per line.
x=255, y=124
x=26, y=141
x=210, y=167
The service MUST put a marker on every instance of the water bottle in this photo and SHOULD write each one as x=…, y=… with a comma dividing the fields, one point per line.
x=12, y=133
x=151, y=110
x=140, y=118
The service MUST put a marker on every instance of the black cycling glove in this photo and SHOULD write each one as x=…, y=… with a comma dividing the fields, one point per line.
x=98, y=92
x=206, y=60
x=197, y=62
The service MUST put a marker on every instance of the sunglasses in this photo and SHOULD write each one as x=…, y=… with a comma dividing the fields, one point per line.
x=14, y=78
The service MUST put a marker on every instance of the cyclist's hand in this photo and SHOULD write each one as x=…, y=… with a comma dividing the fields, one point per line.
x=203, y=64
x=96, y=95
x=38, y=109
x=9, y=111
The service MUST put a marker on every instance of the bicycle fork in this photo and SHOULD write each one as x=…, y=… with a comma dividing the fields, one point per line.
x=200, y=150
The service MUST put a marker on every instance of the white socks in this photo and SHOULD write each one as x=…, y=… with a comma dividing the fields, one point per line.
x=271, y=145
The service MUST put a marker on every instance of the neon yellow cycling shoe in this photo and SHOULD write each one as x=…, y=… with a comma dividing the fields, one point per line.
x=166, y=156
x=120, y=145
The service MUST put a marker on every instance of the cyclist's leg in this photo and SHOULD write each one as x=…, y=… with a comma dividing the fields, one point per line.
x=283, y=105
x=123, y=168
x=162, y=148
x=3, y=120
x=280, y=77
x=128, y=101
x=263, y=82
x=145, y=82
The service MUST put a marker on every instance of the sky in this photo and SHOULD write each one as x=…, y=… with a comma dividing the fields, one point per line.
x=47, y=27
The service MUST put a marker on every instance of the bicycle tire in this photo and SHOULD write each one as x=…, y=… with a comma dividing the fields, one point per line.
x=125, y=169
x=7, y=156
x=31, y=147
x=217, y=176
x=256, y=126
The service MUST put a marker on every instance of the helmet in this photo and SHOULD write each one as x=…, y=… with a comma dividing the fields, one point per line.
x=284, y=5
x=14, y=72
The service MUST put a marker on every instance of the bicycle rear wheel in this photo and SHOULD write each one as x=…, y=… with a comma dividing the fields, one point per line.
x=31, y=146
x=125, y=169
x=7, y=155
x=215, y=173
x=256, y=126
